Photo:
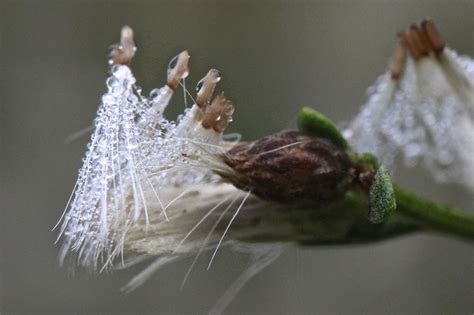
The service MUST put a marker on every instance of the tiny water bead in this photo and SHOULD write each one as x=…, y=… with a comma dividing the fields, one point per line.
x=199, y=85
x=172, y=64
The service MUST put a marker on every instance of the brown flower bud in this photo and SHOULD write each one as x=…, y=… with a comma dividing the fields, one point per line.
x=291, y=167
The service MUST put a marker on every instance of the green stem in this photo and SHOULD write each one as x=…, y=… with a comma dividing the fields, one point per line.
x=432, y=216
x=345, y=221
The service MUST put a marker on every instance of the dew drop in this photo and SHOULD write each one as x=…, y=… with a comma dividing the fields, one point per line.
x=173, y=63
x=218, y=76
x=199, y=85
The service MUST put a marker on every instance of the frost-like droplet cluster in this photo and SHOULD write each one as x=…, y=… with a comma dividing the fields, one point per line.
x=422, y=110
x=133, y=150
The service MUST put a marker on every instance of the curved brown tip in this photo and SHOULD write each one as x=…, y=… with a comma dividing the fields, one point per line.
x=398, y=60
x=206, y=86
x=123, y=52
x=422, y=40
x=429, y=28
x=218, y=114
x=178, y=69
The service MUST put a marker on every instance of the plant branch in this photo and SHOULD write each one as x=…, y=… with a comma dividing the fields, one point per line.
x=432, y=216
x=345, y=221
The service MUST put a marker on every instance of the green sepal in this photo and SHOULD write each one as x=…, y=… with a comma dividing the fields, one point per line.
x=318, y=125
x=382, y=201
x=369, y=160
x=365, y=162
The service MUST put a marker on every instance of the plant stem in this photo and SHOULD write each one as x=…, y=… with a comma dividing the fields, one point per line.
x=345, y=221
x=432, y=216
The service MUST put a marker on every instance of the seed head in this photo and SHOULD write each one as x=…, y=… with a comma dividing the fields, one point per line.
x=422, y=109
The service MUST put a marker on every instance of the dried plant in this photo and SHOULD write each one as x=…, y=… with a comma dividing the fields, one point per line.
x=422, y=109
x=153, y=187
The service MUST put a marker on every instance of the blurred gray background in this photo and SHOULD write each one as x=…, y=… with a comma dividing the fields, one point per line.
x=275, y=56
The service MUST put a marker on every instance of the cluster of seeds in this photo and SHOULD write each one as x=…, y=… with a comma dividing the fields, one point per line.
x=422, y=109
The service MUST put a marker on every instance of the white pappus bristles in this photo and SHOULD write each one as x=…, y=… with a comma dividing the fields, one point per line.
x=199, y=220
x=422, y=109
x=136, y=157
x=148, y=186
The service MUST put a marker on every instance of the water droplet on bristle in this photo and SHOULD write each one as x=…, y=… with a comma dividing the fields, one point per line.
x=172, y=64
x=199, y=85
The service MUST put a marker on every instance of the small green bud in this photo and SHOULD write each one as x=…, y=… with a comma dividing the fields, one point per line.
x=318, y=125
x=382, y=201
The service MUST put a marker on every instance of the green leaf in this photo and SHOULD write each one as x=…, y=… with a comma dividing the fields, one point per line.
x=382, y=201
x=318, y=125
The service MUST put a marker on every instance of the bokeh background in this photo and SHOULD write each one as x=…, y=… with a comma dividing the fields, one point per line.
x=275, y=56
